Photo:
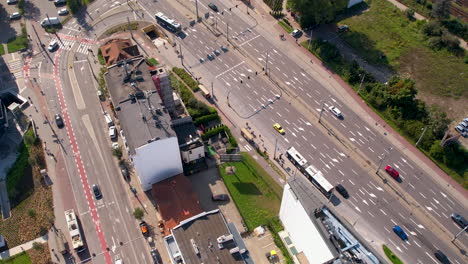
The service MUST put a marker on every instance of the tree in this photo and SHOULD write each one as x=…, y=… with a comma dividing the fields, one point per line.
x=74, y=5
x=441, y=9
x=138, y=213
x=438, y=120
x=117, y=152
x=409, y=13
x=314, y=12
x=437, y=151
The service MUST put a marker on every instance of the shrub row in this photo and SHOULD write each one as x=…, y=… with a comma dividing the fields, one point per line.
x=219, y=129
x=275, y=226
x=275, y=5
x=187, y=78
x=202, y=120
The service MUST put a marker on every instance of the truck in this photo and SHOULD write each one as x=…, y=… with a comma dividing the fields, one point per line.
x=51, y=21
x=74, y=229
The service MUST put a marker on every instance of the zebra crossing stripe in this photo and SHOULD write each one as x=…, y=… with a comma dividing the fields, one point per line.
x=247, y=147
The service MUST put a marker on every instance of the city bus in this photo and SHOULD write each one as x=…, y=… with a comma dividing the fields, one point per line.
x=169, y=24
x=317, y=179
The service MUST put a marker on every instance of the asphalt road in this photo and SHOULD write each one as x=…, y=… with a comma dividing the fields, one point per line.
x=108, y=225
x=371, y=201
x=369, y=196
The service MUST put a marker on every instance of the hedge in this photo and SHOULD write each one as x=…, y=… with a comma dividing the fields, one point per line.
x=207, y=118
x=187, y=78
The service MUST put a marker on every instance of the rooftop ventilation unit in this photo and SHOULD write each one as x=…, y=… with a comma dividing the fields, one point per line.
x=195, y=247
x=224, y=239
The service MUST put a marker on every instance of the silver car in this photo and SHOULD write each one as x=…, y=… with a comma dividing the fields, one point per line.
x=335, y=111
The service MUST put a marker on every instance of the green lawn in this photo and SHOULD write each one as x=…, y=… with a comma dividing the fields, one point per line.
x=22, y=258
x=285, y=26
x=153, y=61
x=392, y=257
x=2, y=50
x=19, y=42
x=384, y=30
x=255, y=193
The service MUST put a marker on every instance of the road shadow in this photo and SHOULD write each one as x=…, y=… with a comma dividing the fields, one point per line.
x=32, y=12
x=6, y=29
x=82, y=19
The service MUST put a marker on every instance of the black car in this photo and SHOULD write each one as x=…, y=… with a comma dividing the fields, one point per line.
x=342, y=190
x=213, y=7
x=156, y=256
x=460, y=220
x=97, y=192
x=441, y=257
x=220, y=197
x=125, y=173
x=59, y=121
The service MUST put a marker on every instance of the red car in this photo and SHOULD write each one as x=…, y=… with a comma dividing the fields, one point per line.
x=392, y=172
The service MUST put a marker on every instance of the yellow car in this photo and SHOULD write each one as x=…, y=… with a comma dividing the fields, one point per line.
x=278, y=128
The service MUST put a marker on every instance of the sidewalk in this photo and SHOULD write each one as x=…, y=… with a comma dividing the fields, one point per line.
x=26, y=246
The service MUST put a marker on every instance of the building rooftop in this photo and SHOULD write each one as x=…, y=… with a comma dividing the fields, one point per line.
x=138, y=105
x=176, y=200
x=197, y=240
x=186, y=132
x=306, y=193
x=116, y=50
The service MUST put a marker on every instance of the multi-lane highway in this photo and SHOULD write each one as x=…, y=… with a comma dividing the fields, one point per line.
x=246, y=95
x=371, y=200
x=66, y=78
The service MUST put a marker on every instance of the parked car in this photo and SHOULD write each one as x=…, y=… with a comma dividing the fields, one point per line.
x=342, y=190
x=59, y=121
x=216, y=52
x=395, y=174
x=400, y=233
x=144, y=228
x=343, y=28
x=97, y=192
x=156, y=256
x=202, y=60
x=461, y=130
x=63, y=12
x=460, y=220
x=60, y=2
x=278, y=128
x=53, y=45
x=12, y=2
x=125, y=173
x=464, y=124
x=112, y=132
x=15, y=15
x=441, y=257
x=335, y=111
x=220, y=197
x=213, y=7
x=296, y=33
x=210, y=56
x=224, y=48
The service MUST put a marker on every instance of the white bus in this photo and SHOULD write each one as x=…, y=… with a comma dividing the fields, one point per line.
x=317, y=179
x=74, y=230
x=169, y=24
x=296, y=158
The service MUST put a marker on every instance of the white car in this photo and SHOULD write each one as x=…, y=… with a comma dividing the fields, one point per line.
x=53, y=45
x=63, y=12
x=296, y=33
x=335, y=111
x=15, y=15
x=112, y=132
x=11, y=2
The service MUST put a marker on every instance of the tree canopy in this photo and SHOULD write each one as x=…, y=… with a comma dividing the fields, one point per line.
x=314, y=12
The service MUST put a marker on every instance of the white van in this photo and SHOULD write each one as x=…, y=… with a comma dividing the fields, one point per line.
x=108, y=119
x=51, y=21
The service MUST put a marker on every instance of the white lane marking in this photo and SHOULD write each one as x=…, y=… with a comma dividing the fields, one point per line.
x=431, y=257
x=422, y=195
x=383, y=212
x=370, y=214
x=313, y=146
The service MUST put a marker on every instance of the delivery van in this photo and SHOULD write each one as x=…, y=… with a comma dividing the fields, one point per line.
x=51, y=21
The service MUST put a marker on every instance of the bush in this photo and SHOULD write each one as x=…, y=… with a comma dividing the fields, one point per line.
x=117, y=152
x=409, y=13
x=138, y=213
x=202, y=120
x=186, y=78
x=21, y=6
x=215, y=131
x=275, y=5
x=275, y=226
x=32, y=213
x=101, y=59
x=37, y=246
x=152, y=61
x=457, y=28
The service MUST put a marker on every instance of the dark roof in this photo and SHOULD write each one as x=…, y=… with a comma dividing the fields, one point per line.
x=176, y=200
x=204, y=231
x=116, y=50
x=306, y=193
x=186, y=133
x=140, y=109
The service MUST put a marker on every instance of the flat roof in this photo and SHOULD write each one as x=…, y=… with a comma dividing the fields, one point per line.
x=202, y=232
x=138, y=105
x=186, y=133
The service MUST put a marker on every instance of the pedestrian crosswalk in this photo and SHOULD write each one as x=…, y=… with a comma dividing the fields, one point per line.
x=67, y=44
x=16, y=68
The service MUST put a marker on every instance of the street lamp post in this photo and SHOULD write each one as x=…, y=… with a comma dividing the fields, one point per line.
x=459, y=233
x=422, y=135
x=382, y=160
x=196, y=8
x=362, y=80
x=321, y=111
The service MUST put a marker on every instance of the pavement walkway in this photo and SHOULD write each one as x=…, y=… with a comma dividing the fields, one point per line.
x=23, y=247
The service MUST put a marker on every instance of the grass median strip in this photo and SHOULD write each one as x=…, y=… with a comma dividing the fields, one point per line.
x=392, y=257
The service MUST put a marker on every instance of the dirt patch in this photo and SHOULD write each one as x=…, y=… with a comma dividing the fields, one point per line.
x=33, y=215
x=436, y=81
x=40, y=255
